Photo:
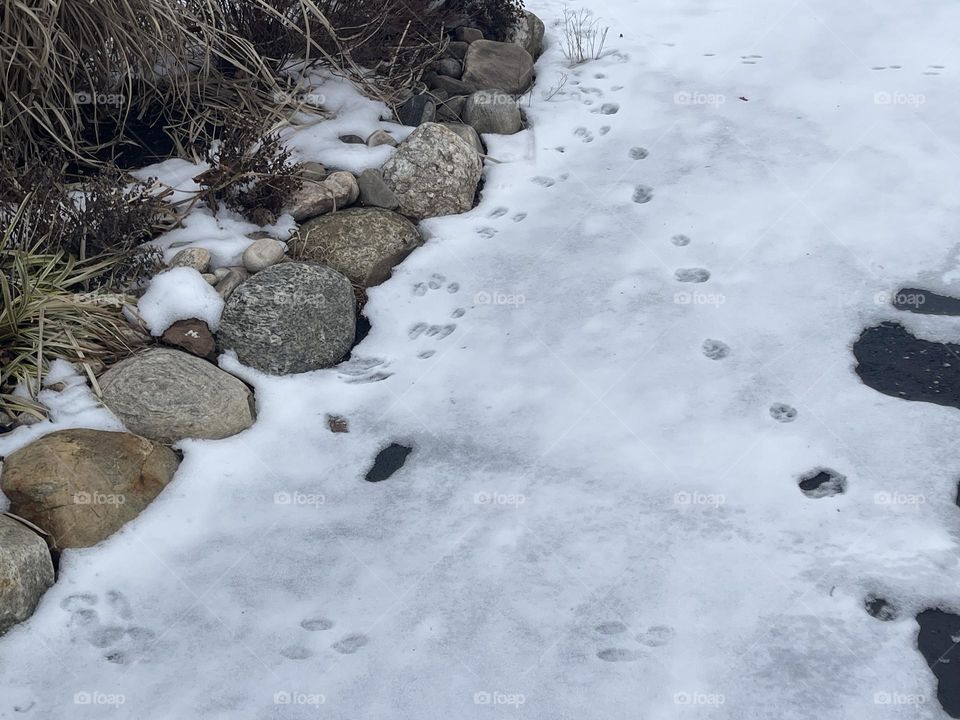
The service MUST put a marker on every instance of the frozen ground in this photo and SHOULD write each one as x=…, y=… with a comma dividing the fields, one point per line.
x=598, y=521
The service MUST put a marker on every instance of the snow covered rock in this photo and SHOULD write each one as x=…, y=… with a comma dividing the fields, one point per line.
x=193, y=336
x=433, y=173
x=290, y=318
x=338, y=190
x=262, y=253
x=374, y=191
x=491, y=65
x=528, y=34
x=178, y=294
x=489, y=111
x=166, y=395
x=81, y=486
x=362, y=243
x=26, y=571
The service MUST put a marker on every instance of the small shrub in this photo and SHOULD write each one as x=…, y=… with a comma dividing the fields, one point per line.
x=495, y=17
x=583, y=36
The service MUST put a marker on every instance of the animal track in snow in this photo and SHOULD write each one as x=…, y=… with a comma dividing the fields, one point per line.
x=499, y=212
x=715, y=349
x=642, y=194
x=586, y=135
x=612, y=627
x=608, y=109
x=435, y=331
x=317, y=624
x=783, y=413
x=296, y=652
x=122, y=640
x=638, y=153
x=459, y=312
x=453, y=287
x=426, y=354
x=692, y=275
x=680, y=240
x=750, y=59
x=604, y=130
x=486, y=232
x=358, y=370
x=350, y=644
x=543, y=181
x=618, y=655
x=436, y=280
x=656, y=636
x=519, y=217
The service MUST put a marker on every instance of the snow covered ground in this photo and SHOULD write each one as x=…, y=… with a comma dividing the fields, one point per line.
x=597, y=521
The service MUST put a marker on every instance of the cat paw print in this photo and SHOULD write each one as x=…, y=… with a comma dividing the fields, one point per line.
x=108, y=626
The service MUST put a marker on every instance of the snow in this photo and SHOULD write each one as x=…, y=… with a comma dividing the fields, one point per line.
x=657, y=491
x=179, y=293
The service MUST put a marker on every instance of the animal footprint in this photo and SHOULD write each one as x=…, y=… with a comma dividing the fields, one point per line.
x=605, y=129
x=618, y=655
x=783, y=413
x=416, y=331
x=608, y=109
x=638, y=153
x=680, y=240
x=426, y=354
x=364, y=370
x=642, y=194
x=656, y=636
x=582, y=132
x=692, y=275
x=459, y=312
x=350, y=644
x=295, y=652
x=519, y=217
x=715, y=349
x=499, y=212
x=436, y=281
x=440, y=331
x=544, y=181
x=750, y=59
x=420, y=289
x=453, y=287
x=318, y=624
x=486, y=232
x=121, y=639
x=612, y=627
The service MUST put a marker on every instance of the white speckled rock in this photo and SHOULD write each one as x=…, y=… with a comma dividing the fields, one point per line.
x=26, y=571
x=433, y=173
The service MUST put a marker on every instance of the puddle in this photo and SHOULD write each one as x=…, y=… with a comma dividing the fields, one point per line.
x=387, y=462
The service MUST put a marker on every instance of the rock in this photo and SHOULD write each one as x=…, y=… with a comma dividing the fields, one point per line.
x=81, y=486
x=448, y=84
x=194, y=257
x=193, y=336
x=352, y=139
x=381, y=137
x=165, y=395
x=338, y=424
x=457, y=49
x=338, y=190
x=468, y=135
x=489, y=111
x=210, y=278
x=314, y=171
x=467, y=34
x=528, y=33
x=233, y=278
x=374, y=191
x=452, y=109
x=220, y=273
x=361, y=243
x=290, y=318
x=26, y=571
x=493, y=65
x=416, y=110
x=433, y=173
x=263, y=253
x=450, y=67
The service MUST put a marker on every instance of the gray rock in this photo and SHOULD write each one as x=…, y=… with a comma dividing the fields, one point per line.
x=26, y=571
x=489, y=111
x=352, y=139
x=467, y=34
x=493, y=65
x=314, y=171
x=290, y=318
x=452, y=109
x=194, y=257
x=450, y=67
x=433, y=172
x=166, y=395
x=211, y=278
x=468, y=135
x=381, y=137
x=416, y=110
x=81, y=486
x=457, y=49
x=453, y=86
x=338, y=190
x=528, y=33
x=263, y=253
x=362, y=243
x=374, y=191
x=232, y=279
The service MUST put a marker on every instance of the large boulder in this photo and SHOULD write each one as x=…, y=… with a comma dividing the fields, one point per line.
x=26, y=571
x=489, y=111
x=81, y=486
x=362, y=243
x=433, y=172
x=468, y=135
x=166, y=395
x=290, y=318
x=528, y=34
x=491, y=65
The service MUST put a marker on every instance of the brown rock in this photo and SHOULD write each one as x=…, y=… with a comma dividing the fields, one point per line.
x=192, y=335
